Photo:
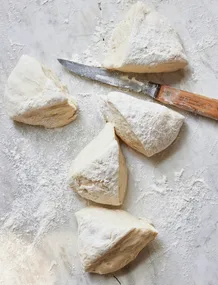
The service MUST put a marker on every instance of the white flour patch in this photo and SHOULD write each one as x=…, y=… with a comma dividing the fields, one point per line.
x=42, y=200
x=177, y=211
x=160, y=185
x=179, y=174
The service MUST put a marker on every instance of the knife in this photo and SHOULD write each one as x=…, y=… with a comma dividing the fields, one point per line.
x=167, y=95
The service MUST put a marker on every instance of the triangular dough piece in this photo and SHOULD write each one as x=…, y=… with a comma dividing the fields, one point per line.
x=110, y=239
x=99, y=172
x=35, y=96
x=145, y=42
x=147, y=127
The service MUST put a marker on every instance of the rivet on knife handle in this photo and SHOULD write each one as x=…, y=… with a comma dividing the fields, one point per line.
x=194, y=103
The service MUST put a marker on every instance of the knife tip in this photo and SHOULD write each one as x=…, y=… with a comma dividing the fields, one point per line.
x=60, y=60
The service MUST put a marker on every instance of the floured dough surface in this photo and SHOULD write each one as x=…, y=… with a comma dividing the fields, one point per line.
x=35, y=96
x=145, y=42
x=146, y=127
x=99, y=172
x=110, y=239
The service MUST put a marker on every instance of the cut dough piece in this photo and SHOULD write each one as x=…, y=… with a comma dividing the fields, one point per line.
x=35, y=96
x=145, y=42
x=110, y=239
x=147, y=127
x=99, y=172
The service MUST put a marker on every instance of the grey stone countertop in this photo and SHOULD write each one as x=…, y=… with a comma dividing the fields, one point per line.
x=177, y=189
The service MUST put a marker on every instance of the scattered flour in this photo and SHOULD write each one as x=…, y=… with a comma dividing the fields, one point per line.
x=179, y=174
x=41, y=200
x=180, y=207
x=37, y=206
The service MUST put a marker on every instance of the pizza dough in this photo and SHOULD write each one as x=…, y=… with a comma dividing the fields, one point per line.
x=146, y=127
x=99, y=172
x=110, y=239
x=35, y=96
x=145, y=42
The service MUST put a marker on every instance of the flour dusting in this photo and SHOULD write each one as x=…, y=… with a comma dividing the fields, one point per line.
x=176, y=190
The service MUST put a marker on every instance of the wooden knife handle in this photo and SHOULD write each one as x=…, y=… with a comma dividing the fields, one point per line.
x=194, y=103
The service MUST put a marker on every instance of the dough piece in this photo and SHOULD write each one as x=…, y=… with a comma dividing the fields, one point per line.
x=110, y=239
x=99, y=172
x=35, y=96
x=147, y=127
x=145, y=42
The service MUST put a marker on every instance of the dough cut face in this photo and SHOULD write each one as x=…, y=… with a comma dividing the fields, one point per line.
x=145, y=42
x=110, y=239
x=146, y=127
x=99, y=172
x=35, y=96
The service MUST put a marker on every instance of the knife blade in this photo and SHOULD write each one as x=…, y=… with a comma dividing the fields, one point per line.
x=167, y=95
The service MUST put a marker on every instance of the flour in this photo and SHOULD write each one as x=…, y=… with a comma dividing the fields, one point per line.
x=179, y=174
x=95, y=53
x=179, y=205
x=40, y=204
x=22, y=264
x=185, y=216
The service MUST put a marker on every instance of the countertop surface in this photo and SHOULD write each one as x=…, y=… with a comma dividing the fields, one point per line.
x=176, y=189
